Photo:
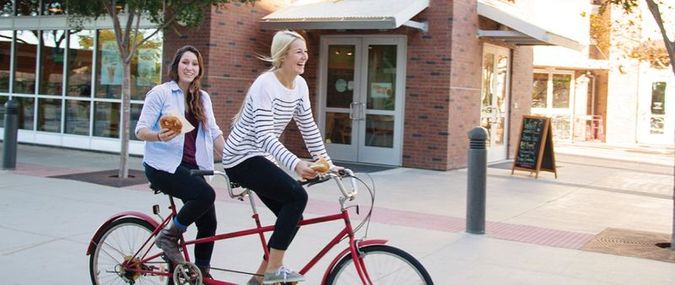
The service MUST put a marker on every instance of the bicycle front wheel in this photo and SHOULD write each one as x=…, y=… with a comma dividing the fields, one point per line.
x=384, y=265
x=113, y=261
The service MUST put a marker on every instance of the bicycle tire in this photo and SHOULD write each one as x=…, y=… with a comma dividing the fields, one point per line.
x=117, y=243
x=385, y=265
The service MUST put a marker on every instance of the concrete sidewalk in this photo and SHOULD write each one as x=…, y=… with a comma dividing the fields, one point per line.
x=536, y=228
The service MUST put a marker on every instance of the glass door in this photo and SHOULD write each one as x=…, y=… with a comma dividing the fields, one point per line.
x=494, y=99
x=361, y=93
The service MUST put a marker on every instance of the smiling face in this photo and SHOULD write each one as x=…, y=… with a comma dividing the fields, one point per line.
x=296, y=57
x=188, y=67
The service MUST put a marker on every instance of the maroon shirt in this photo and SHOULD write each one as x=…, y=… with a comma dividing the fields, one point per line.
x=190, y=144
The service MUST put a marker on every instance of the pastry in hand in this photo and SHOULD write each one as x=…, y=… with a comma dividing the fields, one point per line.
x=320, y=166
x=171, y=122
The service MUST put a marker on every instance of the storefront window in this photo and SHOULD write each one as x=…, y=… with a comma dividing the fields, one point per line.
x=51, y=62
x=5, y=58
x=145, y=66
x=27, y=7
x=561, y=90
x=108, y=66
x=6, y=8
x=106, y=119
x=3, y=100
x=80, y=63
x=539, y=90
x=26, y=112
x=77, y=117
x=53, y=7
x=26, y=57
x=49, y=115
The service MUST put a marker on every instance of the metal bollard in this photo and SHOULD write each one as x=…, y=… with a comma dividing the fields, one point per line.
x=477, y=168
x=9, y=141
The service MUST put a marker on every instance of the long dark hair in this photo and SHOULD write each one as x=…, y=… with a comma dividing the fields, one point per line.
x=193, y=97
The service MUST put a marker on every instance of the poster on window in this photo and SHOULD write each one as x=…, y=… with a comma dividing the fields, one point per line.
x=111, y=64
x=381, y=90
x=147, y=67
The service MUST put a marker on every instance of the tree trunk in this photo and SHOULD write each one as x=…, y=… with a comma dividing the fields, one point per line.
x=124, y=129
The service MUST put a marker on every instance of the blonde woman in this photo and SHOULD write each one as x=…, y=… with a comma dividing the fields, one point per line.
x=253, y=149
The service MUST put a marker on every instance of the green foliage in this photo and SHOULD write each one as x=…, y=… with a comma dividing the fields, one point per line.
x=161, y=12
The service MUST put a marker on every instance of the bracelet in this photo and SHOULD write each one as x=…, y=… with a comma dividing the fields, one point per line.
x=159, y=138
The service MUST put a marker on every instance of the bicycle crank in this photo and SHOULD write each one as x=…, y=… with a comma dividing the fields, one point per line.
x=187, y=274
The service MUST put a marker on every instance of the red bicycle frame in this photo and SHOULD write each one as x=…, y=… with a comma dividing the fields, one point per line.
x=347, y=230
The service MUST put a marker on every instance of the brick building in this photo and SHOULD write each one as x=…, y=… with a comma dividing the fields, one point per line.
x=392, y=82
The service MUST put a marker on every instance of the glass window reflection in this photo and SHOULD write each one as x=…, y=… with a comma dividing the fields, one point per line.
x=3, y=101
x=340, y=89
x=5, y=58
x=26, y=57
x=106, y=119
x=6, y=8
x=53, y=7
x=145, y=66
x=51, y=62
x=27, y=7
x=49, y=115
x=26, y=112
x=77, y=117
x=380, y=131
x=381, y=77
x=539, y=90
x=108, y=66
x=561, y=90
x=80, y=63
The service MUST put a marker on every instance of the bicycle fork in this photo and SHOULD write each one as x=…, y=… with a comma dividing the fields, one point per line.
x=357, y=257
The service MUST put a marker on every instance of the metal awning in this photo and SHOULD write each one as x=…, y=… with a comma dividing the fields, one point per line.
x=347, y=14
x=522, y=32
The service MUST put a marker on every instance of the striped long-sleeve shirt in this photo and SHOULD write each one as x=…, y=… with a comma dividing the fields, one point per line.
x=269, y=107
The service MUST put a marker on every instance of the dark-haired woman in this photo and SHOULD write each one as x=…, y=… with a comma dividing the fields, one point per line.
x=169, y=156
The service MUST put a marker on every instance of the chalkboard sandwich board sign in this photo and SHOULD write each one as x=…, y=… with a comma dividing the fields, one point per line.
x=534, y=151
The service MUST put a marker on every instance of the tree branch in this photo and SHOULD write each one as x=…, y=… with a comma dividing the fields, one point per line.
x=670, y=45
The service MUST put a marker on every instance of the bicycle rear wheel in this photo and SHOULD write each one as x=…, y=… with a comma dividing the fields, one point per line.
x=385, y=265
x=113, y=260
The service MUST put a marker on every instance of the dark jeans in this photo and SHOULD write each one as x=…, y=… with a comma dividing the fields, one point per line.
x=282, y=194
x=198, y=208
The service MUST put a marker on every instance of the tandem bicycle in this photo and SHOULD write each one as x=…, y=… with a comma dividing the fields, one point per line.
x=123, y=251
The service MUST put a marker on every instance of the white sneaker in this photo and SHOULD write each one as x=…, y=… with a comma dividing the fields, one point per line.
x=282, y=275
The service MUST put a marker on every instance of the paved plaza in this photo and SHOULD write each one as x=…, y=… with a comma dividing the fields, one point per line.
x=537, y=230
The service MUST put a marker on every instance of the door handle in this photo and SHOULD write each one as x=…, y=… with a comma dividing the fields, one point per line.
x=351, y=110
x=358, y=113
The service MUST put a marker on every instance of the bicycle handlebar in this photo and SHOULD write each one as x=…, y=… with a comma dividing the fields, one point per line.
x=335, y=175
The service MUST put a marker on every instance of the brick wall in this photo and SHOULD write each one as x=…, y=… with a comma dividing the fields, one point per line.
x=442, y=96
x=521, y=93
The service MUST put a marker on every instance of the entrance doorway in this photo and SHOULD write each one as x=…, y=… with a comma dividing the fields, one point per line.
x=495, y=99
x=361, y=91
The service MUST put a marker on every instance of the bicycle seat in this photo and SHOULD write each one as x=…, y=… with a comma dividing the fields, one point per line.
x=155, y=188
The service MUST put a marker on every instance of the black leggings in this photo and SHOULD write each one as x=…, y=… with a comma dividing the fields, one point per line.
x=197, y=196
x=282, y=194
